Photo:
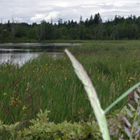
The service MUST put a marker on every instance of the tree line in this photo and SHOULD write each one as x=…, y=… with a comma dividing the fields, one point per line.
x=92, y=28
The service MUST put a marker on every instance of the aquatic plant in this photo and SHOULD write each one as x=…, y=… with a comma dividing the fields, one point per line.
x=95, y=103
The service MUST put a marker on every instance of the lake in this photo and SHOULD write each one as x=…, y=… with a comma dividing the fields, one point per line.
x=22, y=52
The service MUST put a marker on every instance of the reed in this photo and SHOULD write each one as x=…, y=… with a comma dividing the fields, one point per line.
x=47, y=83
x=94, y=100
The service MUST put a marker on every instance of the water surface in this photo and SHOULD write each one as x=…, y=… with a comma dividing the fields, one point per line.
x=39, y=44
x=22, y=58
x=20, y=53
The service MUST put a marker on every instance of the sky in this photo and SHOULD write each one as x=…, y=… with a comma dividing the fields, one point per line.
x=30, y=11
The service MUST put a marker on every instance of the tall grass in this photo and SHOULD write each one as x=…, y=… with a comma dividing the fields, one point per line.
x=51, y=84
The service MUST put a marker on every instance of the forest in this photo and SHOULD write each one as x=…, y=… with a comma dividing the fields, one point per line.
x=92, y=28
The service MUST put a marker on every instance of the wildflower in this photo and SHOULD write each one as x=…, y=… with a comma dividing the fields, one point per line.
x=4, y=93
x=12, y=101
x=132, y=78
x=24, y=107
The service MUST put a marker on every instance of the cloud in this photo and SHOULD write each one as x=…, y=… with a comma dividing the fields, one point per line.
x=37, y=10
x=39, y=17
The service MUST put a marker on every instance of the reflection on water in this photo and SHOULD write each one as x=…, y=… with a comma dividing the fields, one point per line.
x=3, y=50
x=22, y=58
x=23, y=52
x=39, y=44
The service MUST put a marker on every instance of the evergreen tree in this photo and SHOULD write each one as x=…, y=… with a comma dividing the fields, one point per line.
x=97, y=19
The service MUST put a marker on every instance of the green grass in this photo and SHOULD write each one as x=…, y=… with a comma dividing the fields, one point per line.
x=46, y=83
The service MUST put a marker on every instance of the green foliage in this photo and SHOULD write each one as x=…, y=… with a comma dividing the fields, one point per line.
x=126, y=123
x=120, y=123
x=41, y=128
x=113, y=68
x=92, y=28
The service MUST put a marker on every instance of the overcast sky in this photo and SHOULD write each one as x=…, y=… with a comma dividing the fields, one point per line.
x=30, y=11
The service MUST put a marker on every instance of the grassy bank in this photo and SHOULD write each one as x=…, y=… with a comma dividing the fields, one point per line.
x=25, y=40
x=46, y=83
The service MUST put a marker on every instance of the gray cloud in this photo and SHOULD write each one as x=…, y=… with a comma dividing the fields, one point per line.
x=36, y=10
